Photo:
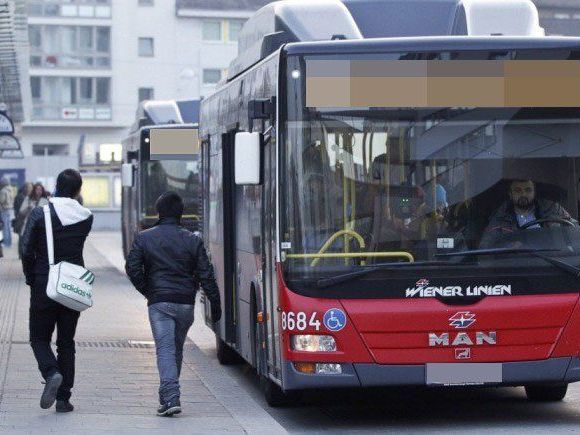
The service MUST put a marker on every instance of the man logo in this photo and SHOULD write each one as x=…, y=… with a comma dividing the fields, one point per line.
x=463, y=353
x=462, y=320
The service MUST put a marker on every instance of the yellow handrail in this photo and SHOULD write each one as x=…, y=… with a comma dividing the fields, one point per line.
x=335, y=236
x=318, y=256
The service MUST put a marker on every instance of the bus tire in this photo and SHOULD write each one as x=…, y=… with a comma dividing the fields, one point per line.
x=225, y=354
x=546, y=393
x=275, y=396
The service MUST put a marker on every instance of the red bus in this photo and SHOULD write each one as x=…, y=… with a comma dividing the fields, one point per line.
x=397, y=211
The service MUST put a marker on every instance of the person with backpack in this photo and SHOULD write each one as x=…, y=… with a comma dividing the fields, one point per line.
x=166, y=264
x=71, y=224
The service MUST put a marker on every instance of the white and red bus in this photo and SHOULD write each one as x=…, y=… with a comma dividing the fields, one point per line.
x=386, y=210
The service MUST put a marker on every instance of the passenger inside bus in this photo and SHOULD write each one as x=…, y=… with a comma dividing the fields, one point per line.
x=522, y=211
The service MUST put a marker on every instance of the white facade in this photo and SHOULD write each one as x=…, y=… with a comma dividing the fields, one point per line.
x=90, y=61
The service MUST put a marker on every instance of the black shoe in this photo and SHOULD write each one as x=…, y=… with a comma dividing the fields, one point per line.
x=169, y=408
x=64, y=406
x=50, y=388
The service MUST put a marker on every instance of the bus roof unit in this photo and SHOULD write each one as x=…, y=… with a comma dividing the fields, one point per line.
x=288, y=21
x=291, y=21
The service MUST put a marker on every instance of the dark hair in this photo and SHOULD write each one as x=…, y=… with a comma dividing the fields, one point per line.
x=169, y=204
x=69, y=183
x=33, y=191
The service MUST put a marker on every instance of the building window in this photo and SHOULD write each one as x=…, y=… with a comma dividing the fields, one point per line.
x=103, y=89
x=212, y=31
x=234, y=28
x=146, y=94
x=35, y=88
x=50, y=149
x=211, y=76
x=146, y=47
x=146, y=3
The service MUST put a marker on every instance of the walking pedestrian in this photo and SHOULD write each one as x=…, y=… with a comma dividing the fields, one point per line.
x=1, y=237
x=166, y=264
x=71, y=224
x=6, y=203
x=23, y=193
x=37, y=197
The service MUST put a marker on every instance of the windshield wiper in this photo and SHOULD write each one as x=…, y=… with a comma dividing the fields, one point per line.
x=562, y=265
x=326, y=282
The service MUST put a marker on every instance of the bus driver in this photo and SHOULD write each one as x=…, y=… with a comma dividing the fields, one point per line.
x=522, y=208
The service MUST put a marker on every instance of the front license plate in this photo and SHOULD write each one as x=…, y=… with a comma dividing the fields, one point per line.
x=463, y=374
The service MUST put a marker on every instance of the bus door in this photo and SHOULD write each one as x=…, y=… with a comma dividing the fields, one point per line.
x=229, y=239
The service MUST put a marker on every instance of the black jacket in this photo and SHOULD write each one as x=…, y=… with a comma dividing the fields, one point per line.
x=167, y=263
x=71, y=224
x=503, y=221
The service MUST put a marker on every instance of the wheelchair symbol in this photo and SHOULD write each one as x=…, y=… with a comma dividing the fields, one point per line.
x=334, y=319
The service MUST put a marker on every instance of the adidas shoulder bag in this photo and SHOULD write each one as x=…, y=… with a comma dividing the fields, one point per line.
x=68, y=284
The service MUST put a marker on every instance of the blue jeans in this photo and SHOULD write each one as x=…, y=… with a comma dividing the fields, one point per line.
x=7, y=232
x=170, y=323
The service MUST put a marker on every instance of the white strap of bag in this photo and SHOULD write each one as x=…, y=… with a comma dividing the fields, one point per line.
x=49, y=236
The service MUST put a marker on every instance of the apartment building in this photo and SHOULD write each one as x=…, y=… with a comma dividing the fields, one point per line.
x=92, y=61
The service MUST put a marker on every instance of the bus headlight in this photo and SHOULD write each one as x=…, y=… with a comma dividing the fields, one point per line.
x=313, y=343
x=309, y=368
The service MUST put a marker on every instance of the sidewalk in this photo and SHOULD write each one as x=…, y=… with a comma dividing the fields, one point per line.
x=116, y=380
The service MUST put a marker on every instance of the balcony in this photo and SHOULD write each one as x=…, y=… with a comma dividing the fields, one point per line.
x=70, y=47
x=70, y=8
x=70, y=61
x=71, y=112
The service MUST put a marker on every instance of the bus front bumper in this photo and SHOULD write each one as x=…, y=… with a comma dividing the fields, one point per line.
x=553, y=370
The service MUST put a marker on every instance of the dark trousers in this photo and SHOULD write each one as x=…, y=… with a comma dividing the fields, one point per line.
x=43, y=320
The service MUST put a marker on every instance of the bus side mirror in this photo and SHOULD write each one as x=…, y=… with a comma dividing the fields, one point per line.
x=247, y=158
x=127, y=174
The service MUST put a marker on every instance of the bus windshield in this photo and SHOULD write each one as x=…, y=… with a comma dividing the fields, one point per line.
x=177, y=175
x=394, y=186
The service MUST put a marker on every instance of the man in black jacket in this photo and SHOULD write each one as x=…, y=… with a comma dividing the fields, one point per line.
x=71, y=224
x=166, y=265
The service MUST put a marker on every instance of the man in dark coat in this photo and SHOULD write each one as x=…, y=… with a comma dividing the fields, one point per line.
x=522, y=208
x=71, y=224
x=166, y=264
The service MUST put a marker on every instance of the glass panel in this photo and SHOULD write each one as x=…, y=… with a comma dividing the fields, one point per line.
x=211, y=76
x=179, y=176
x=117, y=191
x=234, y=29
x=73, y=90
x=146, y=47
x=103, y=90
x=86, y=11
x=212, y=31
x=35, y=87
x=69, y=39
x=69, y=11
x=146, y=94
x=35, y=36
x=102, y=12
x=86, y=89
x=407, y=184
x=103, y=39
x=86, y=38
x=96, y=191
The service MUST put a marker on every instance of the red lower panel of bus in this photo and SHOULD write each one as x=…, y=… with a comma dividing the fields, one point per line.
x=512, y=328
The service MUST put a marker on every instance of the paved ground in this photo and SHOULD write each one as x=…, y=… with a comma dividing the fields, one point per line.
x=116, y=386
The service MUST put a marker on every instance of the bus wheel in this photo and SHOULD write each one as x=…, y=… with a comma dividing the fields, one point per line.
x=274, y=395
x=225, y=354
x=546, y=393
